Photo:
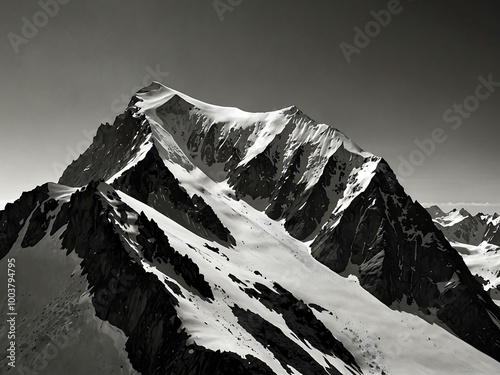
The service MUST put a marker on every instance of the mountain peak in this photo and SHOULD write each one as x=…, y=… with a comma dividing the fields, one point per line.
x=464, y=212
x=435, y=211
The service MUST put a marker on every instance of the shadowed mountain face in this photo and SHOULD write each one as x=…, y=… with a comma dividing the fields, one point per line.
x=391, y=244
x=152, y=183
x=113, y=147
x=196, y=232
x=461, y=226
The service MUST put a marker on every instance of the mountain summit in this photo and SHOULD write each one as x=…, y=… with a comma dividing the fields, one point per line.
x=197, y=239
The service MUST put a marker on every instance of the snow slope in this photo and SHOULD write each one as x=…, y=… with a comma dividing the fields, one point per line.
x=380, y=339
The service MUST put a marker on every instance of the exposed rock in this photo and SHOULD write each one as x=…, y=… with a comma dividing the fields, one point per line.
x=113, y=146
x=400, y=257
x=284, y=349
x=14, y=216
x=256, y=178
x=302, y=321
x=151, y=182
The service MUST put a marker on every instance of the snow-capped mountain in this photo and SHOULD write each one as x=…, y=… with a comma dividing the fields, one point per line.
x=197, y=239
x=477, y=239
x=435, y=212
x=461, y=226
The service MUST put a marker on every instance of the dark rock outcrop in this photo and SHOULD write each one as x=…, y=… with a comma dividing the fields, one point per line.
x=492, y=233
x=392, y=245
x=112, y=148
x=306, y=214
x=470, y=229
x=256, y=178
x=155, y=245
x=302, y=321
x=151, y=182
x=14, y=216
x=284, y=349
x=39, y=223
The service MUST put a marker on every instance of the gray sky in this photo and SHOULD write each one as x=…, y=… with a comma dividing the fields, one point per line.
x=76, y=69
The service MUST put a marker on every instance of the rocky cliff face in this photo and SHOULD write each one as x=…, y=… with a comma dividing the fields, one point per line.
x=152, y=183
x=461, y=226
x=282, y=160
x=492, y=232
x=14, y=216
x=113, y=147
x=392, y=245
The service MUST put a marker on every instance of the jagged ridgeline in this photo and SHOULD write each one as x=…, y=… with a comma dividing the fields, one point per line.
x=477, y=239
x=197, y=239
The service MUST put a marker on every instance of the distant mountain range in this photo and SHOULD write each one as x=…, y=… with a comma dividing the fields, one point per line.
x=461, y=226
x=477, y=239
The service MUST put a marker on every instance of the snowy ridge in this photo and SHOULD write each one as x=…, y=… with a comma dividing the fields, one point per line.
x=452, y=218
x=143, y=150
x=493, y=220
x=224, y=142
x=460, y=226
x=263, y=127
x=154, y=96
